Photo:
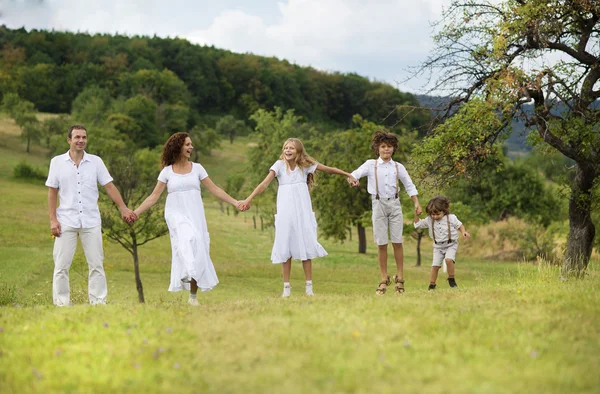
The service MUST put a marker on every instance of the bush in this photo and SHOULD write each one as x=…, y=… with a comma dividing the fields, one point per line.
x=8, y=294
x=28, y=172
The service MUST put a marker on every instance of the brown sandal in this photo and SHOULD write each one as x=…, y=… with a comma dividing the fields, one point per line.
x=399, y=285
x=383, y=286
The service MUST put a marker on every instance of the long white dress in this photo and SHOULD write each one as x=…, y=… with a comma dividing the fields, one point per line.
x=190, y=241
x=295, y=222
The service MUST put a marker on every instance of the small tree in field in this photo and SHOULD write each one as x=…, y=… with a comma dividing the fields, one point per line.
x=493, y=63
x=135, y=177
x=24, y=114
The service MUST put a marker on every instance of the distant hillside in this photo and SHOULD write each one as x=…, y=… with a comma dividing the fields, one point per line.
x=50, y=68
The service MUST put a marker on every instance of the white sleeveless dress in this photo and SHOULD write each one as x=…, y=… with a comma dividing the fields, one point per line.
x=295, y=222
x=190, y=241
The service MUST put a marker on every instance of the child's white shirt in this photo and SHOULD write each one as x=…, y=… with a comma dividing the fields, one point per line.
x=386, y=176
x=441, y=227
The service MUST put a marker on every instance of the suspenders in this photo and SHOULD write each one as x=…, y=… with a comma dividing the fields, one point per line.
x=433, y=230
x=377, y=183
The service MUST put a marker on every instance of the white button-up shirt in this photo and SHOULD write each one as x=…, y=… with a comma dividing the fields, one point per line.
x=441, y=227
x=386, y=177
x=78, y=189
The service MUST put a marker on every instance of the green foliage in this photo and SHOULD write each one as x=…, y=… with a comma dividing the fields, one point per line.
x=229, y=127
x=514, y=189
x=24, y=114
x=24, y=170
x=134, y=177
x=460, y=144
x=8, y=294
x=51, y=68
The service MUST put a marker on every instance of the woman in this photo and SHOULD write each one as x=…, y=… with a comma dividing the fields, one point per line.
x=191, y=266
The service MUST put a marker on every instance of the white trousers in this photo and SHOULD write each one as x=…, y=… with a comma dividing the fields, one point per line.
x=64, y=250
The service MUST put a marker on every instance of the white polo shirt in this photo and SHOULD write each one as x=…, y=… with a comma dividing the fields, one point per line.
x=386, y=177
x=78, y=189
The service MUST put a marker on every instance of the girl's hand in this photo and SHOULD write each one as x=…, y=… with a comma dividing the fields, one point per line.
x=243, y=205
x=466, y=235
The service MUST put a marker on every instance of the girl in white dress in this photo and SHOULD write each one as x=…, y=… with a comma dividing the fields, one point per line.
x=295, y=223
x=191, y=266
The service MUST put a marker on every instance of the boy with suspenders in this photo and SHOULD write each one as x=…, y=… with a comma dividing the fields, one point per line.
x=383, y=174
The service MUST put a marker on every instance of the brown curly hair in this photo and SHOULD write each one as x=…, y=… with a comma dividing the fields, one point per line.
x=172, y=149
x=438, y=204
x=382, y=136
x=302, y=160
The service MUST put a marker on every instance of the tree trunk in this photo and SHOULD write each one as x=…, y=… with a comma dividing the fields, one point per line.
x=362, y=239
x=28, y=143
x=138, y=280
x=581, y=228
x=419, y=238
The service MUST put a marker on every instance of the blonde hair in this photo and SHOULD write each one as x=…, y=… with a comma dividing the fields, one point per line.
x=302, y=160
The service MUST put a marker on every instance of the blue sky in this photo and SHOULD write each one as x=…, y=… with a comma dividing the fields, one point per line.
x=379, y=39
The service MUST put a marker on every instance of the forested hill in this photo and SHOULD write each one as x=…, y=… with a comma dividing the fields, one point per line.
x=51, y=68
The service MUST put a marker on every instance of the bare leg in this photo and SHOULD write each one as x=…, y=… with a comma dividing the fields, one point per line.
x=382, y=256
x=450, y=264
x=307, y=265
x=287, y=269
x=193, y=286
x=434, y=274
x=399, y=257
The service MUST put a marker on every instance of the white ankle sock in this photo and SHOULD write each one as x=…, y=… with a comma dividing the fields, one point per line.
x=193, y=295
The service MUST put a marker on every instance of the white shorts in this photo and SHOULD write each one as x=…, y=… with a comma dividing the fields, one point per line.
x=387, y=218
x=444, y=251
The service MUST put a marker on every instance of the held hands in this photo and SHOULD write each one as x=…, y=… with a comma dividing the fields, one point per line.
x=353, y=181
x=243, y=205
x=466, y=234
x=129, y=216
x=418, y=209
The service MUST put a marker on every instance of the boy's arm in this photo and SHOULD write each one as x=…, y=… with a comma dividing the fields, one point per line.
x=418, y=209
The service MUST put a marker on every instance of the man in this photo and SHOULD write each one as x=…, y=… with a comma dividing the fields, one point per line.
x=74, y=177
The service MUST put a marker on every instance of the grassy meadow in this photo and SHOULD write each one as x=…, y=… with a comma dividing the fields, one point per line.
x=510, y=327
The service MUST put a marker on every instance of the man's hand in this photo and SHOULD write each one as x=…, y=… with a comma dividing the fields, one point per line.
x=55, y=227
x=127, y=214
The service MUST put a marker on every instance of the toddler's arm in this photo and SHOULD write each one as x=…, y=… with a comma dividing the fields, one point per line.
x=463, y=231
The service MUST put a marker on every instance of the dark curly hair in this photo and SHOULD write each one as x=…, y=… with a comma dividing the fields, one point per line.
x=172, y=149
x=383, y=136
x=438, y=204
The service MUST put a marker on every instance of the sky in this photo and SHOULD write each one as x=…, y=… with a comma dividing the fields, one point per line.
x=378, y=39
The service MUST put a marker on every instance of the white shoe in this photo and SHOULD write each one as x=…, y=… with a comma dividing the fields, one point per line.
x=193, y=301
x=187, y=279
x=287, y=291
x=309, y=291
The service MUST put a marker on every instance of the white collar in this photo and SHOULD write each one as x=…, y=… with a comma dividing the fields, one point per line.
x=380, y=161
x=85, y=157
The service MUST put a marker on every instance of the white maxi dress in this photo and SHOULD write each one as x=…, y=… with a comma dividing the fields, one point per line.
x=295, y=222
x=190, y=241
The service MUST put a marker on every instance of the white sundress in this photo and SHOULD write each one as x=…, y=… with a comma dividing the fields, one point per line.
x=295, y=222
x=190, y=241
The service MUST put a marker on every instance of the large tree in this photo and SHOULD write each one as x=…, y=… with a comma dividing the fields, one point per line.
x=537, y=60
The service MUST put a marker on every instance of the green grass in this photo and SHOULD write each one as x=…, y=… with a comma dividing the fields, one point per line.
x=508, y=328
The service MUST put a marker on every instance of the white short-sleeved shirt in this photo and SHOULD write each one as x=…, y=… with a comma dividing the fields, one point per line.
x=386, y=177
x=285, y=176
x=441, y=227
x=78, y=189
x=182, y=182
